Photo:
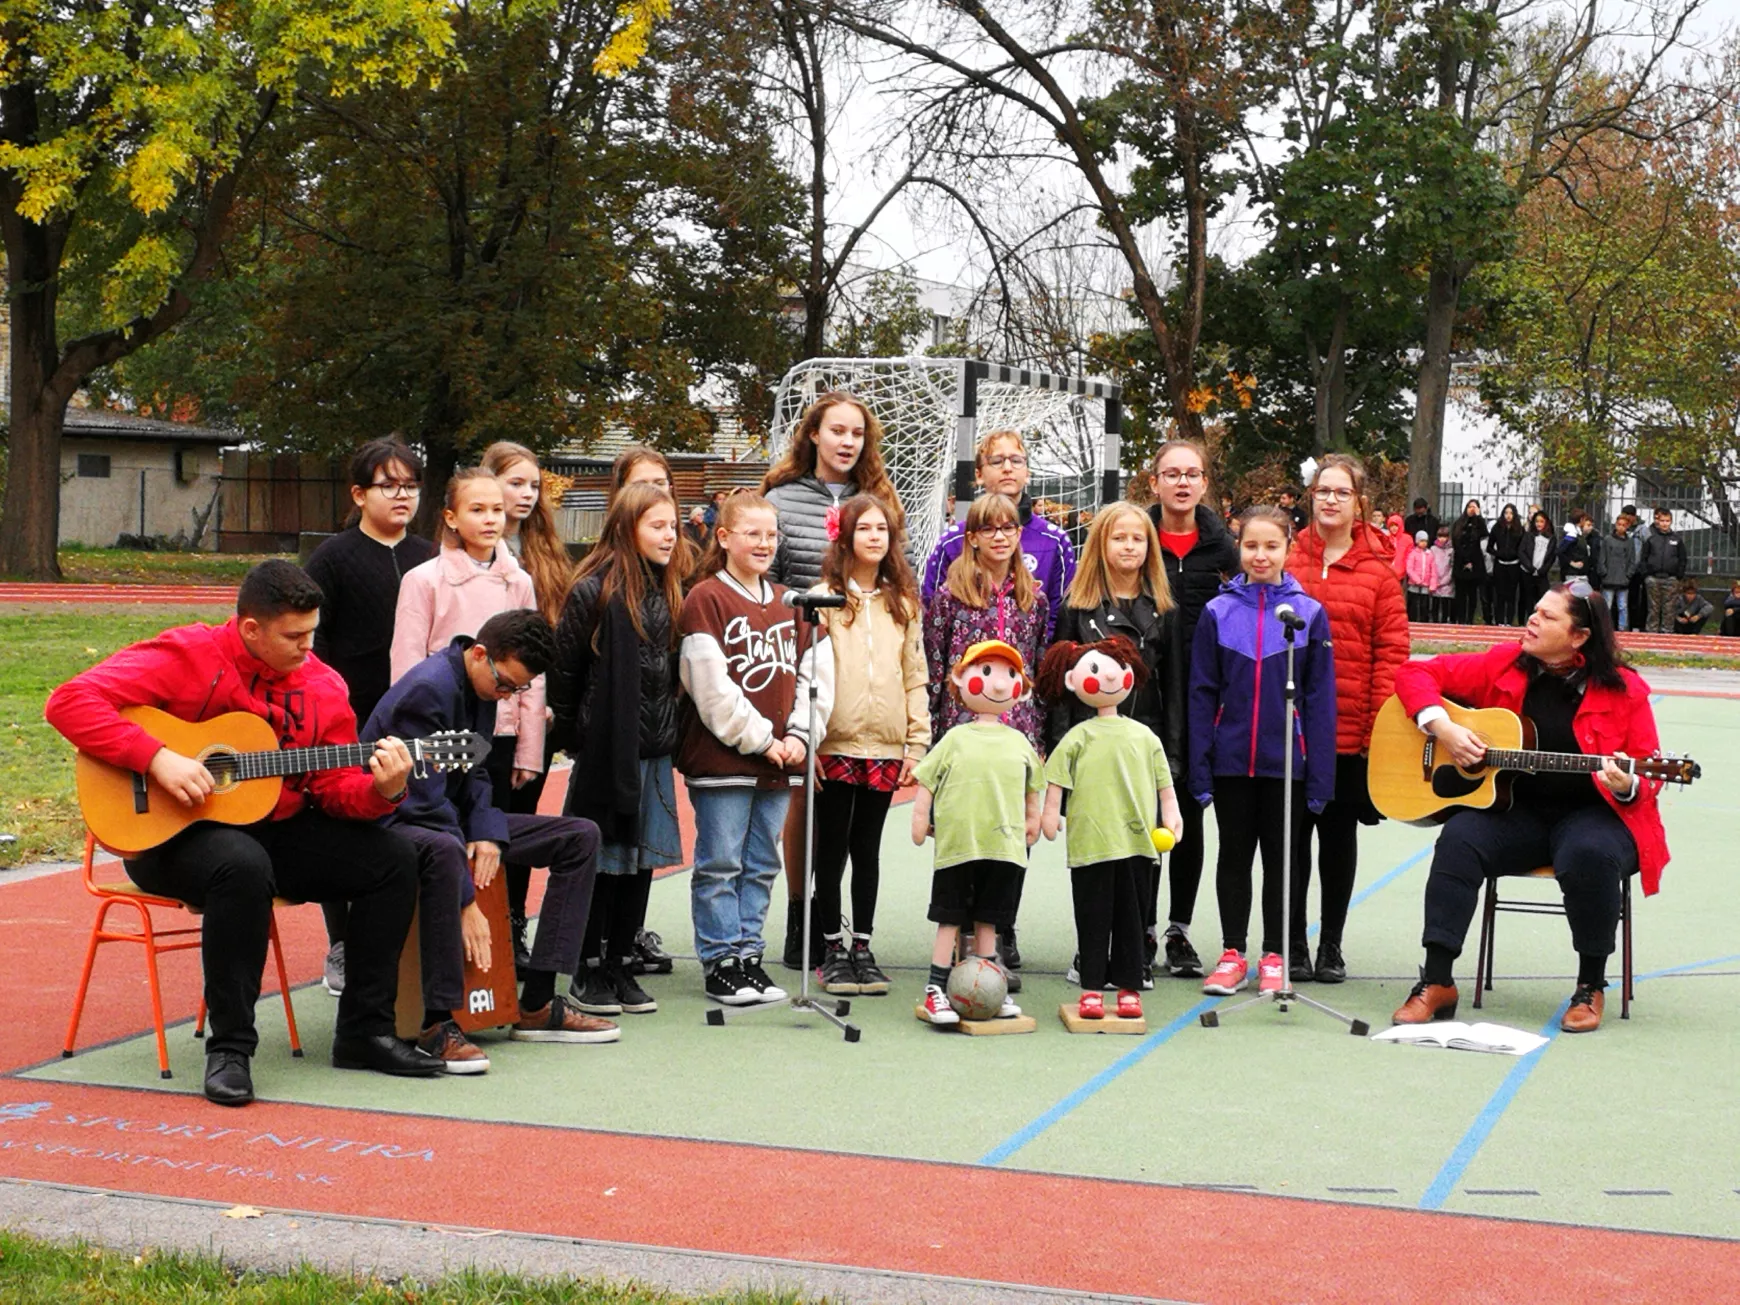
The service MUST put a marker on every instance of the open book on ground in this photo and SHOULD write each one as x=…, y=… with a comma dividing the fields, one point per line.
x=1464, y=1037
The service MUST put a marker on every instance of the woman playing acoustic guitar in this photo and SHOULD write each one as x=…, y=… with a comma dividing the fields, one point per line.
x=1568, y=677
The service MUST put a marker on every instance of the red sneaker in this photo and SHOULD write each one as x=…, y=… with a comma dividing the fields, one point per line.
x=1093, y=1006
x=1129, y=1005
x=1271, y=974
x=1229, y=976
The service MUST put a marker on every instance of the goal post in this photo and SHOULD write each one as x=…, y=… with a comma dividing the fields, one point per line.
x=933, y=411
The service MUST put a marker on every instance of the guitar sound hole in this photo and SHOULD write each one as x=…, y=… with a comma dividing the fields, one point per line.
x=1448, y=782
x=222, y=766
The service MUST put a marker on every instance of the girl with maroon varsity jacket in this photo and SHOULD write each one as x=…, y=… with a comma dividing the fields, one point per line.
x=742, y=742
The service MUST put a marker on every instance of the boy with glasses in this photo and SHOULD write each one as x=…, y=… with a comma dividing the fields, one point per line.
x=463, y=840
x=358, y=571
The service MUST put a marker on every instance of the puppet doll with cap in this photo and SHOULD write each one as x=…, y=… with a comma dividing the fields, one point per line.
x=980, y=788
x=1114, y=769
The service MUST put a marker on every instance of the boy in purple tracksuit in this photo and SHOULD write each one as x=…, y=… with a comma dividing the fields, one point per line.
x=1050, y=557
x=1238, y=679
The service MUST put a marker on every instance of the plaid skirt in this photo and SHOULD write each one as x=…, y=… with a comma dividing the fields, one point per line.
x=878, y=774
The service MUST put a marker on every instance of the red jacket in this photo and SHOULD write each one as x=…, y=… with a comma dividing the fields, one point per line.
x=1609, y=721
x=196, y=672
x=1368, y=621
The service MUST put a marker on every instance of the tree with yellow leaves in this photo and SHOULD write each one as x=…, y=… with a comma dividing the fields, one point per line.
x=124, y=130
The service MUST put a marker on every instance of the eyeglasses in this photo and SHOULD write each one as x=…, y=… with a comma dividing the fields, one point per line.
x=502, y=683
x=998, y=531
x=397, y=488
x=1010, y=460
x=1324, y=494
x=759, y=537
x=1174, y=476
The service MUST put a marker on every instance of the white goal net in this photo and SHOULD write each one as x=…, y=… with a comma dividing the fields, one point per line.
x=933, y=411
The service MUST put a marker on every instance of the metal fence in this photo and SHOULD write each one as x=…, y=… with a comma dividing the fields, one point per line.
x=1712, y=547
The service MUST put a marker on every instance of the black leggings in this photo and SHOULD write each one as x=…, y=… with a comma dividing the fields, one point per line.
x=515, y=802
x=1108, y=921
x=1248, y=815
x=848, y=822
x=1183, y=868
x=618, y=914
x=1337, y=851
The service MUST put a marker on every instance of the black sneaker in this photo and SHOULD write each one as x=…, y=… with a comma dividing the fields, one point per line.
x=1009, y=949
x=836, y=974
x=757, y=978
x=593, y=992
x=1014, y=977
x=1182, y=962
x=872, y=982
x=1331, y=968
x=1150, y=948
x=630, y=996
x=727, y=984
x=650, y=956
x=793, y=956
x=1299, y=968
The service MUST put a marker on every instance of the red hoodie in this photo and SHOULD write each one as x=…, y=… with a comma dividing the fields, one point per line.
x=196, y=672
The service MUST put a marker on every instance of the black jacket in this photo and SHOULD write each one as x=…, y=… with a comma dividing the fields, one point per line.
x=1575, y=560
x=1663, y=554
x=434, y=695
x=1196, y=579
x=573, y=687
x=1504, y=543
x=1418, y=521
x=1160, y=702
x=1526, y=552
x=359, y=585
x=1467, y=543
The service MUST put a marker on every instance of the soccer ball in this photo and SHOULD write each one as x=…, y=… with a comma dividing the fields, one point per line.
x=977, y=988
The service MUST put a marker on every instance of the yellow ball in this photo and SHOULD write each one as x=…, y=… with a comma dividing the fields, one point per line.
x=1163, y=840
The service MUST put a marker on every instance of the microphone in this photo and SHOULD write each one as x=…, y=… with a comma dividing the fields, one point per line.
x=1288, y=617
x=811, y=602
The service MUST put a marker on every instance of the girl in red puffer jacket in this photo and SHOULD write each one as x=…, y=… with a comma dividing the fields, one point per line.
x=1345, y=565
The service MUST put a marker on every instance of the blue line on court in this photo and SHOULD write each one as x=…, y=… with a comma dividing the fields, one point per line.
x=1444, y=1184
x=1150, y=1044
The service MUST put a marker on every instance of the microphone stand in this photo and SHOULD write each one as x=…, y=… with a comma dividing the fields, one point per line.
x=832, y=1009
x=1284, y=996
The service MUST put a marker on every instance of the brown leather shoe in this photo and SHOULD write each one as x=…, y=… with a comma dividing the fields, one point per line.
x=1583, y=1015
x=560, y=1022
x=1427, y=1002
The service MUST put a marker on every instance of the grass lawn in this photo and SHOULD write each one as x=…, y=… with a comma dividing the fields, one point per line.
x=122, y=566
x=38, y=650
x=41, y=1273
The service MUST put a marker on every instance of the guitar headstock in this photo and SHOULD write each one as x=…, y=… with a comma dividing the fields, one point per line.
x=1669, y=769
x=451, y=750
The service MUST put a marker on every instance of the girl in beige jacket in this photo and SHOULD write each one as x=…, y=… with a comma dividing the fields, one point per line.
x=878, y=729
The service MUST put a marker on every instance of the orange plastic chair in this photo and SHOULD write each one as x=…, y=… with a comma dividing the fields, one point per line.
x=155, y=941
x=1493, y=904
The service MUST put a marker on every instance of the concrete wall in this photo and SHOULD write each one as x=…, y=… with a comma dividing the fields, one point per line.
x=96, y=511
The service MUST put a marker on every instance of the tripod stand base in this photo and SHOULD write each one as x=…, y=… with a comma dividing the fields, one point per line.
x=1285, y=998
x=832, y=1011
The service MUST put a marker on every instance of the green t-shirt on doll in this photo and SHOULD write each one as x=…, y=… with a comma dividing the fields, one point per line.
x=979, y=777
x=1114, y=768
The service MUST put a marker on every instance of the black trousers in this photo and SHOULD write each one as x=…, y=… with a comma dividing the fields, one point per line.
x=1507, y=581
x=1248, y=815
x=232, y=874
x=516, y=802
x=1183, y=867
x=1108, y=921
x=619, y=905
x=849, y=820
x=1589, y=848
x=1337, y=829
x=1467, y=595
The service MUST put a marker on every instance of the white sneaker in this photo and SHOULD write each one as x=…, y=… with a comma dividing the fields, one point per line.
x=934, y=1008
x=1009, y=1010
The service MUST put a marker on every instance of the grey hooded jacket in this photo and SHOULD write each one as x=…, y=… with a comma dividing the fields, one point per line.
x=1613, y=561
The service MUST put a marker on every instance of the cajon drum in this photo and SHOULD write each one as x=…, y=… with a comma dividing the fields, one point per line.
x=490, y=998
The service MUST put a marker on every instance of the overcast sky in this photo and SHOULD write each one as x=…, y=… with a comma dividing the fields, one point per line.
x=932, y=252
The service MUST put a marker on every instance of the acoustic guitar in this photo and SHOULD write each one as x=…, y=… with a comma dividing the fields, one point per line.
x=128, y=812
x=1413, y=780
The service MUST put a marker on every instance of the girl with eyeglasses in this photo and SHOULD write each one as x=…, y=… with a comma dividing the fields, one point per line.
x=1003, y=468
x=358, y=571
x=1344, y=564
x=1199, y=554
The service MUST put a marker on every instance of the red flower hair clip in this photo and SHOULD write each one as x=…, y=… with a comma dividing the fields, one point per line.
x=832, y=523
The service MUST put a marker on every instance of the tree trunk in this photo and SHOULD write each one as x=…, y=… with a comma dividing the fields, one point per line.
x=30, y=515
x=1426, y=447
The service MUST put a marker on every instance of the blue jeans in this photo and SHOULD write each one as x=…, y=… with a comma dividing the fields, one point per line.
x=1618, y=602
x=737, y=858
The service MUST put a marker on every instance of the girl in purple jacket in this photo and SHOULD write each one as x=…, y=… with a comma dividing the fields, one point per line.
x=1238, y=677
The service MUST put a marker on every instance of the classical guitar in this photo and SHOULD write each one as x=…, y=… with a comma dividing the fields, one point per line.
x=128, y=812
x=1412, y=779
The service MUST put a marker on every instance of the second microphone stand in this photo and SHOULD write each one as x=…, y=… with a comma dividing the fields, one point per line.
x=1284, y=996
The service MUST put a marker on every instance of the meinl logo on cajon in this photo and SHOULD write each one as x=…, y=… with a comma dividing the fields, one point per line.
x=480, y=1000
